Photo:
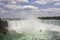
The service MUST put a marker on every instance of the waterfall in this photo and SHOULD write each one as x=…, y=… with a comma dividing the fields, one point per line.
x=33, y=29
x=14, y=26
x=32, y=24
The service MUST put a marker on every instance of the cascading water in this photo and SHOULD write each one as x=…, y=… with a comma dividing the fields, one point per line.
x=32, y=25
x=33, y=29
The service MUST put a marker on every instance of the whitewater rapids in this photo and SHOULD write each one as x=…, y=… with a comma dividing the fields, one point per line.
x=30, y=25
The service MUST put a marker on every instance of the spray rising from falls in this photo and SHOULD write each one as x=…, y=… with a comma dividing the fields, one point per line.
x=32, y=29
x=31, y=24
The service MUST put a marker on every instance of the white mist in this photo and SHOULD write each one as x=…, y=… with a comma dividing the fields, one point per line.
x=31, y=24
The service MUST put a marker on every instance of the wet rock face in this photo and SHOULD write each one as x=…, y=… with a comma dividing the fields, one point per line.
x=3, y=27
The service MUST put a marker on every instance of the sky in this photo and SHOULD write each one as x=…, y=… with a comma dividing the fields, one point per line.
x=26, y=8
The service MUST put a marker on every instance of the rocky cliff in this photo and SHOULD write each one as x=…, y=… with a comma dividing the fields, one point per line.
x=3, y=27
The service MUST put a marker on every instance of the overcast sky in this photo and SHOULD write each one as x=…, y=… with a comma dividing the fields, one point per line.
x=26, y=8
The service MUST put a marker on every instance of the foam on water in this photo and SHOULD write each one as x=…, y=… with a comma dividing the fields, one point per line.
x=30, y=29
x=31, y=24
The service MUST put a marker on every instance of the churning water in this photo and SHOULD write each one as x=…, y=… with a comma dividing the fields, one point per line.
x=33, y=29
x=33, y=25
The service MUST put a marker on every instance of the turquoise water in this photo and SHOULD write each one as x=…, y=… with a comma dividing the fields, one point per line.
x=47, y=35
x=54, y=22
x=42, y=35
x=14, y=36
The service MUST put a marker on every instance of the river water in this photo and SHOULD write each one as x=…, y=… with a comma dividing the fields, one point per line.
x=33, y=29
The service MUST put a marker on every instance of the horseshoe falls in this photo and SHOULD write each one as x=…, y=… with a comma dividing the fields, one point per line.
x=33, y=29
x=29, y=25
